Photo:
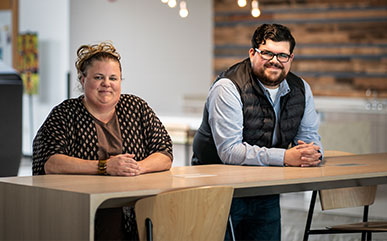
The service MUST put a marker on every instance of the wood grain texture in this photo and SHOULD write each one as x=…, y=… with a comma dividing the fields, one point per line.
x=67, y=203
x=33, y=213
x=192, y=214
x=365, y=226
x=350, y=197
x=334, y=169
x=346, y=197
x=343, y=41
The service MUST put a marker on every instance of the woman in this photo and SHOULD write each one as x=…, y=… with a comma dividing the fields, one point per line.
x=102, y=131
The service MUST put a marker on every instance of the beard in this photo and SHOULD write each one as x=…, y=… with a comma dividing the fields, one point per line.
x=268, y=80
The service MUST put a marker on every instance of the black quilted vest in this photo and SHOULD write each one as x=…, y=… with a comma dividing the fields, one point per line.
x=258, y=114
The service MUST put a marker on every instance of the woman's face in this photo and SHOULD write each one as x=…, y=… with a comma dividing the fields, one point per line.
x=102, y=84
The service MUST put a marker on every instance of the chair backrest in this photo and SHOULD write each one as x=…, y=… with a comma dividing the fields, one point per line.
x=346, y=197
x=187, y=214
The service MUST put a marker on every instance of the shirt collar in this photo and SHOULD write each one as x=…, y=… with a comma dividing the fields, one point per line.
x=283, y=88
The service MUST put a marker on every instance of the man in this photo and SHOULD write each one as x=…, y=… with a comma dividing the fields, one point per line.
x=254, y=112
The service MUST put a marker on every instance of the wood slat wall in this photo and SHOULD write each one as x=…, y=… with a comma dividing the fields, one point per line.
x=341, y=45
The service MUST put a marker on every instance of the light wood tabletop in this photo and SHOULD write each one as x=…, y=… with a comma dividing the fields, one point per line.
x=39, y=200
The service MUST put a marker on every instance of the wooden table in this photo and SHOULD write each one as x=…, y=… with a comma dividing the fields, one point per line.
x=64, y=206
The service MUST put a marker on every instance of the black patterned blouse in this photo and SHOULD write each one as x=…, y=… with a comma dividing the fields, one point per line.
x=69, y=129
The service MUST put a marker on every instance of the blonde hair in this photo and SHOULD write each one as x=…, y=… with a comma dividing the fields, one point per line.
x=88, y=53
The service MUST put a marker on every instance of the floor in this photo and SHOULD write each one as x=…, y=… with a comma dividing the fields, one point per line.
x=294, y=208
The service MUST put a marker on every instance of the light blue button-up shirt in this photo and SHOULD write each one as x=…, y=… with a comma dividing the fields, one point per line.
x=226, y=121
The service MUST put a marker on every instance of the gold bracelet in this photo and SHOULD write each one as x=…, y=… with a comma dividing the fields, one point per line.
x=102, y=167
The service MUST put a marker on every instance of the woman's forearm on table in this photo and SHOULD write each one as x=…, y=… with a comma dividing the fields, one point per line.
x=155, y=162
x=60, y=163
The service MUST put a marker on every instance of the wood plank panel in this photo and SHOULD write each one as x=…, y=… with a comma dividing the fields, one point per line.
x=230, y=5
x=341, y=45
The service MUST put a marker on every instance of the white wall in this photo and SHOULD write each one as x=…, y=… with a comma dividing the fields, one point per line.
x=164, y=57
x=50, y=19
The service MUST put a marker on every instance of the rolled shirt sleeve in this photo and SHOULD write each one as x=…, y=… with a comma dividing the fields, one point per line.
x=308, y=129
x=226, y=121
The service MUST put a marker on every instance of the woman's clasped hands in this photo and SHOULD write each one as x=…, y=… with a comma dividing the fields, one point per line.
x=123, y=165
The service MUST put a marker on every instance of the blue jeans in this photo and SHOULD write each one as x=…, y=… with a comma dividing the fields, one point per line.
x=256, y=218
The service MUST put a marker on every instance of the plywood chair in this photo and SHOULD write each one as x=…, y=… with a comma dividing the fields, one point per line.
x=345, y=198
x=187, y=214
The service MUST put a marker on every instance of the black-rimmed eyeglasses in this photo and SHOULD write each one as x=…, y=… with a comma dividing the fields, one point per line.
x=267, y=55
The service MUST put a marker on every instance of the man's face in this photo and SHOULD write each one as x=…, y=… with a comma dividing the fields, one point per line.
x=271, y=72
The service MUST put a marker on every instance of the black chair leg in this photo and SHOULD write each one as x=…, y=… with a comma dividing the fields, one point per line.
x=310, y=216
x=149, y=231
x=369, y=236
x=365, y=235
x=230, y=228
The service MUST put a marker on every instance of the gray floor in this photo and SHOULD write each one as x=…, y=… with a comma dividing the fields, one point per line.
x=294, y=209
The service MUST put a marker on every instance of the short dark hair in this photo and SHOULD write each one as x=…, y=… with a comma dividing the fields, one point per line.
x=274, y=32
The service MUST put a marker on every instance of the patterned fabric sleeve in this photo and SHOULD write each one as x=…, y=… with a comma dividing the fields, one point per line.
x=157, y=137
x=70, y=130
x=51, y=139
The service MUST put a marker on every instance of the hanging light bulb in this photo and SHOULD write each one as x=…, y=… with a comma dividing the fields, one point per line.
x=183, y=9
x=242, y=3
x=172, y=3
x=164, y=1
x=254, y=9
